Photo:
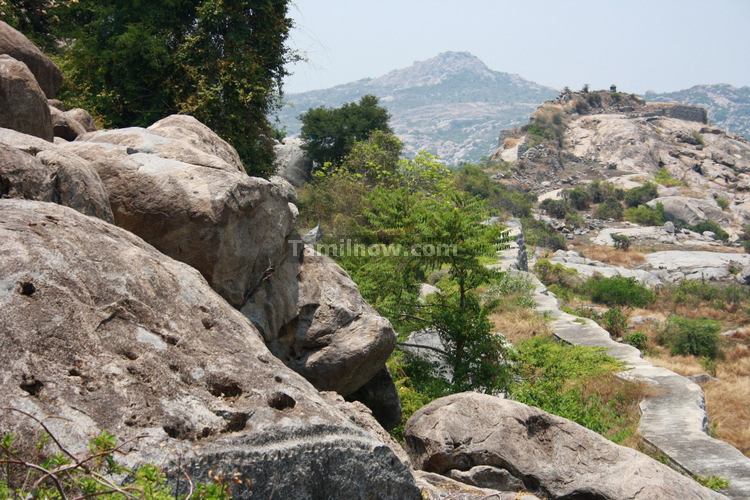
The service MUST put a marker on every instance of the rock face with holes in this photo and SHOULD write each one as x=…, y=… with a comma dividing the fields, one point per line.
x=23, y=106
x=17, y=46
x=550, y=455
x=98, y=327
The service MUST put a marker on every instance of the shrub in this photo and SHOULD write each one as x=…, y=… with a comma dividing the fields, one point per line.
x=615, y=322
x=641, y=195
x=540, y=234
x=664, y=178
x=609, y=209
x=574, y=219
x=722, y=202
x=555, y=274
x=728, y=296
x=645, y=215
x=698, y=337
x=601, y=191
x=619, y=291
x=622, y=242
x=698, y=138
x=715, y=483
x=709, y=225
x=555, y=208
x=639, y=340
x=578, y=198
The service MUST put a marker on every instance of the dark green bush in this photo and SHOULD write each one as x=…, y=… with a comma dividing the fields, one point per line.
x=555, y=208
x=540, y=234
x=699, y=337
x=709, y=225
x=645, y=215
x=615, y=321
x=609, y=209
x=641, y=195
x=622, y=242
x=578, y=198
x=555, y=274
x=601, y=191
x=639, y=340
x=619, y=291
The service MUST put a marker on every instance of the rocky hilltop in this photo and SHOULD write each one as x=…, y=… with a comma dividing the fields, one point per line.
x=451, y=105
x=728, y=106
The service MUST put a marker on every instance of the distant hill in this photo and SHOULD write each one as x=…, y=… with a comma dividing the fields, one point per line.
x=452, y=105
x=728, y=106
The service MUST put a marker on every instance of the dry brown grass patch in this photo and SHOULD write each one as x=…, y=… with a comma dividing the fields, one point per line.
x=611, y=255
x=520, y=324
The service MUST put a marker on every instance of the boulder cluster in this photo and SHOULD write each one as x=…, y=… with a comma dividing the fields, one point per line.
x=149, y=287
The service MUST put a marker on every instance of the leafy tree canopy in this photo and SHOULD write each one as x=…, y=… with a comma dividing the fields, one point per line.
x=331, y=133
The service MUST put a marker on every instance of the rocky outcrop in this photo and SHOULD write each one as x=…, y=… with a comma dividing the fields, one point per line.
x=16, y=45
x=379, y=394
x=99, y=328
x=64, y=126
x=23, y=106
x=83, y=117
x=550, y=455
x=50, y=175
x=690, y=210
x=292, y=162
x=437, y=487
x=314, y=319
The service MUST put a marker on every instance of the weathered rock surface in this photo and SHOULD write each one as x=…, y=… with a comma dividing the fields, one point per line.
x=188, y=129
x=23, y=106
x=486, y=476
x=379, y=394
x=227, y=225
x=675, y=265
x=83, y=117
x=315, y=320
x=99, y=328
x=437, y=487
x=690, y=210
x=16, y=45
x=52, y=176
x=64, y=126
x=587, y=268
x=551, y=455
x=292, y=162
x=653, y=235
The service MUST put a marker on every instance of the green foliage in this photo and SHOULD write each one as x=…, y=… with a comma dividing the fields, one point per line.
x=36, y=19
x=615, y=321
x=331, y=133
x=508, y=199
x=601, y=191
x=476, y=355
x=376, y=159
x=709, y=225
x=699, y=337
x=664, y=178
x=698, y=138
x=557, y=378
x=609, y=209
x=622, y=242
x=639, y=340
x=579, y=198
x=745, y=237
x=545, y=127
x=540, y=234
x=507, y=287
x=619, y=291
x=222, y=62
x=555, y=208
x=716, y=483
x=36, y=471
x=555, y=274
x=645, y=215
x=724, y=296
x=641, y=195
x=722, y=202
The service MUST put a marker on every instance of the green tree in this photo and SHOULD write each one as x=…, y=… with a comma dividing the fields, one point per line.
x=330, y=133
x=219, y=60
x=376, y=159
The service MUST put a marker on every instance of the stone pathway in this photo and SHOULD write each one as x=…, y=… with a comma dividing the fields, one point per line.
x=673, y=421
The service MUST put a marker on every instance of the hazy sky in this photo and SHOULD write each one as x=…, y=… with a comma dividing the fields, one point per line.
x=640, y=45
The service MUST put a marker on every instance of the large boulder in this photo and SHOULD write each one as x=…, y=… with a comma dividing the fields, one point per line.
x=101, y=331
x=315, y=320
x=437, y=487
x=228, y=226
x=50, y=175
x=23, y=106
x=64, y=126
x=381, y=396
x=690, y=210
x=188, y=129
x=83, y=117
x=16, y=45
x=552, y=456
x=292, y=162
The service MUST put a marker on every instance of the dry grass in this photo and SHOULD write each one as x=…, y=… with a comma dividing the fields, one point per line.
x=510, y=142
x=728, y=398
x=611, y=255
x=520, y=324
